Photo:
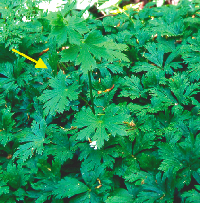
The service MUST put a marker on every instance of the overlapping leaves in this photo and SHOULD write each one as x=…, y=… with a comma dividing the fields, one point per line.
x=95, y=46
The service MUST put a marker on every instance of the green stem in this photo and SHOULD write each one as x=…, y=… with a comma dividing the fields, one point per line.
x=64, y=66
x=85, y=102
x=91, y=96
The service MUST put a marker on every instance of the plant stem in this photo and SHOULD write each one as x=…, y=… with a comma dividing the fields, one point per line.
x=85, y=102
x=64, y=66
x=91, y=96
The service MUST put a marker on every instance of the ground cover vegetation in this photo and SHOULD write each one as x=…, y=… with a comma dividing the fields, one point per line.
x=126, y=84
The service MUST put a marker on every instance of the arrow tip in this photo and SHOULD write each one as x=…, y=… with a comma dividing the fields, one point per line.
x=40, y=64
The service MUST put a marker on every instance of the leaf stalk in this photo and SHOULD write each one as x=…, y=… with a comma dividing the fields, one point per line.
x=91, y=96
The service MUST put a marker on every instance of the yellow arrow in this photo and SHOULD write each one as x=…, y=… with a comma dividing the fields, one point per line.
x=39, y=63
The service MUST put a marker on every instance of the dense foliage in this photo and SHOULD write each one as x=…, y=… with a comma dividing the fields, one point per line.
x=127, y=83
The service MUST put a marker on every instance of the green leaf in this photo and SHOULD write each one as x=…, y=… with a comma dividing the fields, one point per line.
x=96, y=126
x=58, y=99
x=91, y=46
x=182, y=89
x=34, y=142
x=16, y=176
x=94, y=46
x=69, y=29
x=194, y=72
x=60, y=149
x=6, y=125
x=69, y=187
x=161, y=98
x=132, y=87
x=159, y=188
x=8, y=83
x=155, y=55
x=192, y=196
x=121, y=195
x=4, y=189
x=114, y=51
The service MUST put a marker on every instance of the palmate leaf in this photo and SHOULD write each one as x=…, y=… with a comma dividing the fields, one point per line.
x=121, y=195
x=61, y=145
x=181, y=157
x=94, y=46
x=182, y=88
x=42, y=190
x=106, y=67
x=132, y=87
x=34, y=142
x=192, y=196
x=144, y=66
x=5, y=54
x=194, y=72
x=190, y=56
x=82, y=53
x=158, y=188
x=142, y=36
x=90, y=177
x=66, y=29
x=58, y=99
x=176, y=28
x=170, y=155
x=16, y=175
x=68, y=7
x=161, y=98
x=155, y=55
x=69, y=187
x=96, y=126
x=93, y=158
x=3, y=186
x=8, y=83
x=169, y=24
x=6, y=125
x=114, y=51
